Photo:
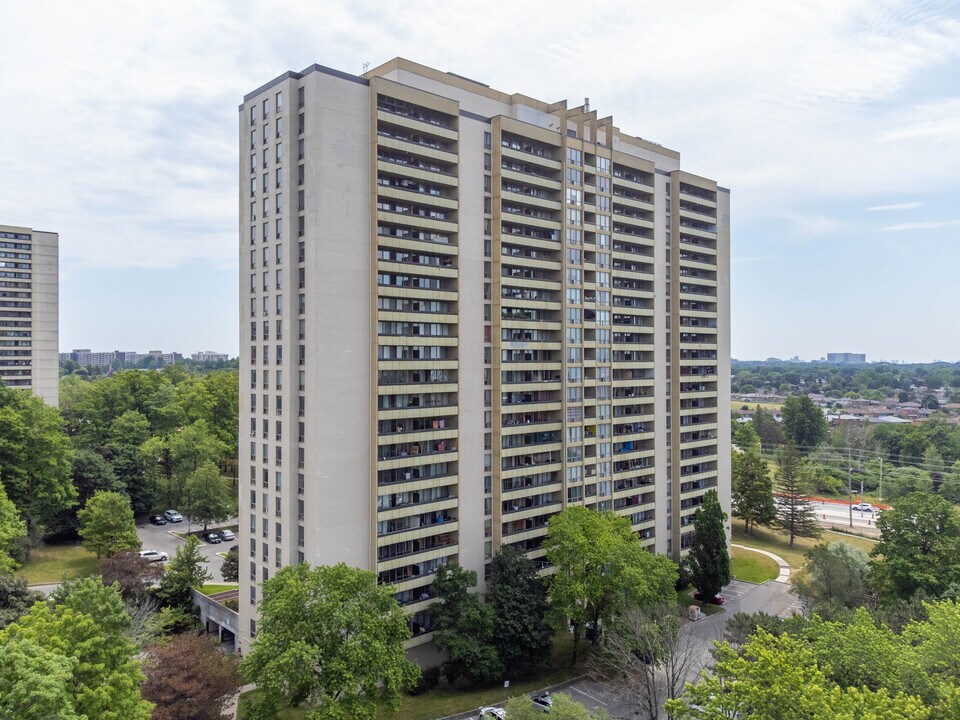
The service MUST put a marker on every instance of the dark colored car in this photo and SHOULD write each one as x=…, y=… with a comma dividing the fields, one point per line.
x=227, y=535
x=158, y=520
x=212, y=537
x=234, y=548
x=717, y=600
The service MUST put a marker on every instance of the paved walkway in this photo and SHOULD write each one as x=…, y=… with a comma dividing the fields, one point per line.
x=784, y=575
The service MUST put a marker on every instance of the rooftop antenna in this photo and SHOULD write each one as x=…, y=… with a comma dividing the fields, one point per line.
x=586, y=104
x=366, y=66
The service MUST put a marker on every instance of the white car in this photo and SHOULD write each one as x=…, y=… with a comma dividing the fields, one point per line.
x=173, y=516
x=492, y=713
x=154, y=555
x=863, y=507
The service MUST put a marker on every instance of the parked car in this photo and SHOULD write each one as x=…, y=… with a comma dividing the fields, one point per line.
x=234, y=548
x=716, y=600
x=173, y=516
x=542, y=702
x=863, y=507
x=492, y=713
x=154, y=555
x=158, y=520
x=227, y=535
x=212, y=537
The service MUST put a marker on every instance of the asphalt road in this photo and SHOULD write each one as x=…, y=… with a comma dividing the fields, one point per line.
x=161, y=538
x=839, y=514
x=774, y=598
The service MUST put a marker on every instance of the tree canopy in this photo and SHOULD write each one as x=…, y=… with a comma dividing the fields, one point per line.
x=107, y=525
x=803, y=422
x=752, y=490
x=709, y=559
x=330, y=639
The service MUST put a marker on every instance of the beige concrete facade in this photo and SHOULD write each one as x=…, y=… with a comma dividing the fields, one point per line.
x=30, y=311
x=461, y=312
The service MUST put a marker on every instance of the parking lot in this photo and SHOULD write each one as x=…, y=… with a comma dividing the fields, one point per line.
x=161, y=538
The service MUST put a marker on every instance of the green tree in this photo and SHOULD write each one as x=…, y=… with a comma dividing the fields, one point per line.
x=464, y=627
x=601, y=569
x=107, y=525
x=209, y=498
x=777, y=678
x=795, y=512
x=126, y=435
x=804, y=422
x=87, y=624
x=186, y=570
x=744, y=434
x=174, y=458
x=709, y=559
x=768, y=430
x=35, y=457
x=835, y=575
x=329, y=639
x=918, y=548
x=35, y=684
x=230, y=570
x=15, y=598
x=12, y=532
x=752, y=490
x=518, y=596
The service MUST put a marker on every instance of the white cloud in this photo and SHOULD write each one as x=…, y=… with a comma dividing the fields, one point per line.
x=923, y=225
x=895, y=206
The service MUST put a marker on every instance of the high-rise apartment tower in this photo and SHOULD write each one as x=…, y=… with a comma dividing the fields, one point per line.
x=30, y=311
x=462, y=311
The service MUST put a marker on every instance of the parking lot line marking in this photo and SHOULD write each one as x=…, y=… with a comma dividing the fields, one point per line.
x=584, y=692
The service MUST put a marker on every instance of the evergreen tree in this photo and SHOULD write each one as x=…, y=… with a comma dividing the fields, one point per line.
x=518, y=597
x=709, y=559
x=752, y=490
x=795, y=513
x=186, y=570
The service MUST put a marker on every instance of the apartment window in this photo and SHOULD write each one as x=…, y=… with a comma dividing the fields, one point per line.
x=300, y=483
x=277, y=559
x=300, y=457
x=266, y=158
x=279, y=151
x=487, y=140
x=266, y=107
x=300, y=201
x=300, y=97
x=574, y=236
x=279, y=102
x=300, y=536
x=303, y=355
x=574, y=177
x=574, y=197
x=301, y=124
x=253, y=210
x=300, y=174
x=277, y=511
x=266, y=231
x=300, y=148
x=253, y=499
x=279, y=304
x=266, y=206
x=279, y=278
x=301, y=250
x=253, y=234
x=301, y=229
x=266, y=134
x=603, y=165
x=253, y=162
x=574, y=156
x=278, y=409
x=253, y=113
x=574, y=216
x=487, y=161
x=301, y=431
x=278, y=128
x=300, y=509
x=253, y=186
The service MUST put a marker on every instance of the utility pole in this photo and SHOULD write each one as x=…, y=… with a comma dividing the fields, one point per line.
x=880, y=499
x=850, y=486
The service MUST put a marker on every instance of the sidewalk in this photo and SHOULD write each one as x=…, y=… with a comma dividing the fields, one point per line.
x=784, y=575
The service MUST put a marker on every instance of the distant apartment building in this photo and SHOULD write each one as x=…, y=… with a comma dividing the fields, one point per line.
x=89, y=358
x=30, y=311
x=846, y=358
x=461, y=312
x=209, y=356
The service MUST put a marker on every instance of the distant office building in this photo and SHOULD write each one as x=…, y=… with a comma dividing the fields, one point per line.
x=209, y=356
x=30, y=311
x=88, y=358
x=846, y=358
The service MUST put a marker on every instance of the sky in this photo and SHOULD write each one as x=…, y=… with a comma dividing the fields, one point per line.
x=835, y=124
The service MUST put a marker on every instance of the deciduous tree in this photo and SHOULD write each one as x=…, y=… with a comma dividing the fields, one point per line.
x=188, y=678
x=35, y=683
x=795, y=512
x=230, y=569
x=133, y=574
x=835, y=576
x=709, y=559
x=804, y=422
x=752, y=490
x=209, y=499
x=769, y=430
x=601, y=570
x=919, y=546
x=15, y=598
x=107, y=525
x=330, y=639
x=12, y=532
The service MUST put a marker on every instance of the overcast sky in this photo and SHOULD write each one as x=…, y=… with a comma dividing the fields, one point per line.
x=836, y=125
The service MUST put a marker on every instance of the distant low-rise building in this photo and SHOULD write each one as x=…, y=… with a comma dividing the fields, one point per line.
x=209, y=356
x=846, y=358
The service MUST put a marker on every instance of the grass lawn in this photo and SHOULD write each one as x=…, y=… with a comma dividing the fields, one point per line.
x=752, y=567
x=50, y=563
x=445, y=701
x=213, y=589
x=778, y=543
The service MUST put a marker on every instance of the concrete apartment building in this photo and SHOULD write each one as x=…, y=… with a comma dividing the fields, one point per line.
x=462, y=311
x=30, y=311
x=846, y=358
